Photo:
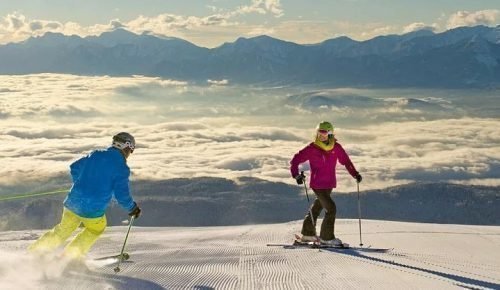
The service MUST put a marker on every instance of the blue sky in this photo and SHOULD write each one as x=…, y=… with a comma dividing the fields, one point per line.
x=210, y=23
x=392, y=11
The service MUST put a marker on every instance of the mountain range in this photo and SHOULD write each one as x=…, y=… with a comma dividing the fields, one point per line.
x=457, y=58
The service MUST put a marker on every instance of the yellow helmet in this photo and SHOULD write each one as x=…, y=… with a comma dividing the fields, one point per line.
x=325, y=126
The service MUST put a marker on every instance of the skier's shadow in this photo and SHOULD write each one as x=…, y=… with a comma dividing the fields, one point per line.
x=457, y=278
x=122, y=282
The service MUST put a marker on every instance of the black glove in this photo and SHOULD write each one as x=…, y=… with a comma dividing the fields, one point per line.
x=300, y=178
x=135, y=212
x=358, y=177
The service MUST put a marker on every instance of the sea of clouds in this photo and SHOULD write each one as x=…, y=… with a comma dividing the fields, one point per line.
x=186, y=130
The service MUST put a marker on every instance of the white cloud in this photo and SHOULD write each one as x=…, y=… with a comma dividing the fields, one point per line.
x=223, y=82
x=170, y=83
x=168, y=24
x=52, y=95
x=468, y=18
x=420, y=26
x=14, y=21
x=262, y=7
x=16, y=27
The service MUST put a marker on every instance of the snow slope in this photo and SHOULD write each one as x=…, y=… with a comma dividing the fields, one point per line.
x=420, y=256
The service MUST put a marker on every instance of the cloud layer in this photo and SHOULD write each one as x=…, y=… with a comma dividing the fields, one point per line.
x=470, y=18
x=182, y=130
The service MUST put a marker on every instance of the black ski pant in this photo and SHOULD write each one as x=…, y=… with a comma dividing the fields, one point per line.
x=323, y=201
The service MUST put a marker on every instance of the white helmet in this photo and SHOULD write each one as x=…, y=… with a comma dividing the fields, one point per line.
x=124, y=140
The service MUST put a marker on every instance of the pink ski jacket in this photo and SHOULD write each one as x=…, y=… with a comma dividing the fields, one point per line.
x=322, y=165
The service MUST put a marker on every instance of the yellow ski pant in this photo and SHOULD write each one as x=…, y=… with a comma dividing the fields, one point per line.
x=81, y=243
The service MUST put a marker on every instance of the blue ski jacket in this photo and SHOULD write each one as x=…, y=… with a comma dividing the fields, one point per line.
x=98, y=177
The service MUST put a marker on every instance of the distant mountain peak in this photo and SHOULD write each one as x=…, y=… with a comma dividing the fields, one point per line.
x=114, y=37
x=261, y=42
x=119, y=32
x=52, y=39
x=262, y=39
x=341, y=40
x=118, y=35
x=345, y=38
x=265, y=38
x=53, y=36
x=420, y=32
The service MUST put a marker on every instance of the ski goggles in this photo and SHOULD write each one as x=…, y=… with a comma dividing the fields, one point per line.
x=131, y=146
x=325, y=132
x=126, y=144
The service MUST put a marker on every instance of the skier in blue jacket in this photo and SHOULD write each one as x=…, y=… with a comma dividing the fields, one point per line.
x=97, y=177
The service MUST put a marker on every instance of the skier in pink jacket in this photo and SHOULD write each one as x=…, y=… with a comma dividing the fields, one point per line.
x=322, y=155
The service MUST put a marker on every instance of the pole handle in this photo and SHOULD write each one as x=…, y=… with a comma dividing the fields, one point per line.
x=305, y=186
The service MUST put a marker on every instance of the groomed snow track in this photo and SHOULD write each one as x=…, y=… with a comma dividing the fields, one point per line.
x=418, y=256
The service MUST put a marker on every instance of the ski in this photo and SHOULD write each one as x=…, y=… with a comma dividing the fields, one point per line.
x=309, y=245
x=123, y=257
x=368, y=249
x=297, y=244
x=317, y=243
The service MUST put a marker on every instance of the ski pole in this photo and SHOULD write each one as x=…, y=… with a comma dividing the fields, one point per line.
x=309, y=204
x=120, y=258
x=26, y=195
x=359, y=218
